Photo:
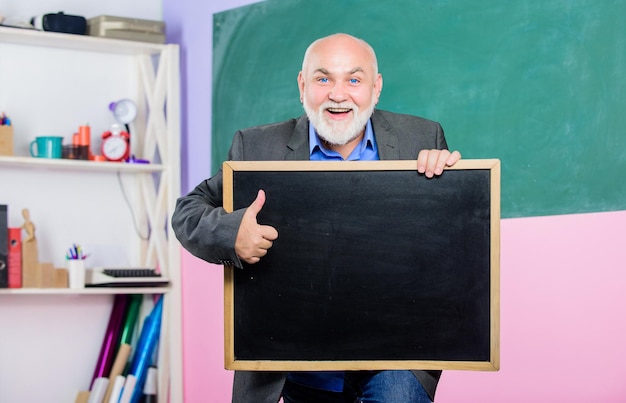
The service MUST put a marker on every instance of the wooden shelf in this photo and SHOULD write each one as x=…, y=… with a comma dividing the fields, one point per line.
x=85, y=291
x=78, y=165
x=32, y=37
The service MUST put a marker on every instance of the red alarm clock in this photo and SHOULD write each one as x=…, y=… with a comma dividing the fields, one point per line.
x=116, y=144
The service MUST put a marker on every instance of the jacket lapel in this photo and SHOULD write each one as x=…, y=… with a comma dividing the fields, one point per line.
x=298, y=145
x=386, y=139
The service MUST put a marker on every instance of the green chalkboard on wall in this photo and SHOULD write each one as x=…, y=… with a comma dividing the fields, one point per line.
x=538, y=85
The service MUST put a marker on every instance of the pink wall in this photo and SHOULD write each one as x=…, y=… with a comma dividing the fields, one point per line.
x=205, y=379
x=563, y=322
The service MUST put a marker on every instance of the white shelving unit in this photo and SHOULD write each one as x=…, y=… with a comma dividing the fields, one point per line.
x=51, y=83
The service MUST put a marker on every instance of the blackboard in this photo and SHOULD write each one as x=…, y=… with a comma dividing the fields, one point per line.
x=375, y=267
x=536, y=84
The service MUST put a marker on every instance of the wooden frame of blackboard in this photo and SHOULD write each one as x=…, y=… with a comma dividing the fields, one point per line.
x=470, y=190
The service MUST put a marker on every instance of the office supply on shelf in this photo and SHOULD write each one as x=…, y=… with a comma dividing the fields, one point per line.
x=76, y=273
x=75, y=152
x=118, y=385
x=128, y=389
x=76, y=252
x=82, y=397
x=4, y=246
x=31, y=275
x=134, y=29
x=4, y=120
x=48, y=275
x=130, y=321
x=111, y=338
x=61, y=278
x=6, y=135
x=60, y=22
x=80, y=148
x=124, y=277
x=15, y=258
x=115, y=144
x=98, y=390
x=117, y=370
x=146, y=344
x=150, y=387
x=46, y=147
x=124, y=111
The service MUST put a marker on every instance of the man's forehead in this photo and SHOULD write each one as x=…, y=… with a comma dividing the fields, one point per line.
x=340, y=59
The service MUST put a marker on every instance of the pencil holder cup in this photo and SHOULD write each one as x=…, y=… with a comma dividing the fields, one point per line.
x=76, y=273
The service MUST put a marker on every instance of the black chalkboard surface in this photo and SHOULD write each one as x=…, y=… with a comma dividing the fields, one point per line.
x=375, y=267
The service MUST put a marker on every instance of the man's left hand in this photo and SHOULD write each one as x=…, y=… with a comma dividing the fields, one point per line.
x=432, y=162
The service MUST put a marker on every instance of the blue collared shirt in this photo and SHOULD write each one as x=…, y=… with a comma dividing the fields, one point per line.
x=366, y=150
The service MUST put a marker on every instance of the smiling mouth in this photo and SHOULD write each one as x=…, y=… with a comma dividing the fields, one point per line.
x=338, y=110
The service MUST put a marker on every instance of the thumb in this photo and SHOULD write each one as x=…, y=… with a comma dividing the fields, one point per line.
x=258, y=203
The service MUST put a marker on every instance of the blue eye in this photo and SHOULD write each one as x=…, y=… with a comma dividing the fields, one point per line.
x=354, y=81
x=323, y=80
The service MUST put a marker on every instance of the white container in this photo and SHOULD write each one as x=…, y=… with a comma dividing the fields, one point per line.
x=76, y=273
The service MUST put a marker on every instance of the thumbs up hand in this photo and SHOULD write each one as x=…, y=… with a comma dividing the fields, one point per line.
x=253, y=240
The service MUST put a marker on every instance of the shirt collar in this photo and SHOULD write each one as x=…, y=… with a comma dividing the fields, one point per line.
x=316, y=145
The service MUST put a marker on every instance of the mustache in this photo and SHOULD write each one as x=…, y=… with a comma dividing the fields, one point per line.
x=335, y=105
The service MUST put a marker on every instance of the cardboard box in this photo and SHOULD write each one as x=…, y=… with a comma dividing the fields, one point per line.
x=6, y=140
x=133, y=29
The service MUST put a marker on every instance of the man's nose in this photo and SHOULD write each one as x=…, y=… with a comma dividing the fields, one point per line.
x=338, y=93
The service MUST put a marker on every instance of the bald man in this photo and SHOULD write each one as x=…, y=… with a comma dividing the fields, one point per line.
x=339, y=87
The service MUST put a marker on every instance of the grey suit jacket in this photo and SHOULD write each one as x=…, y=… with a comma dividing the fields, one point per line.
x=205, y=229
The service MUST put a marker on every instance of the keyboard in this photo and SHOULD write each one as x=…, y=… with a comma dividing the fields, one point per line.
x=124, y=277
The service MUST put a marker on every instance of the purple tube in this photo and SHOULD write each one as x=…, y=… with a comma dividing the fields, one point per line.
x=111, y=338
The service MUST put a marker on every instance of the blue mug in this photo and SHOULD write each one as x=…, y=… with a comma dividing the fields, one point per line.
x=47, y=147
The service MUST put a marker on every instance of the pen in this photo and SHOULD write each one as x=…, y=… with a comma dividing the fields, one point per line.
x=75, y=253
x=4, y=120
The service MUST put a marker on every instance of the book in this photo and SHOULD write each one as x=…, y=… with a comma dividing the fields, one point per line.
x=4, y=246
x=15, y=258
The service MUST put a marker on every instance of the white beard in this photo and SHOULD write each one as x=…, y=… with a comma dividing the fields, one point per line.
x=338, y=132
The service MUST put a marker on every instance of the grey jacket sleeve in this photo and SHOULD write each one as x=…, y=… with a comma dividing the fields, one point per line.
x=202, y=225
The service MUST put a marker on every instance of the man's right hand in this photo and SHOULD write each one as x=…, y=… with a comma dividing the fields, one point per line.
x=253, y=240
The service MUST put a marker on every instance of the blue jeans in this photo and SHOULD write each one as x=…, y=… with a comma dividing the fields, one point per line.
x=383, y=387
x=364, y=387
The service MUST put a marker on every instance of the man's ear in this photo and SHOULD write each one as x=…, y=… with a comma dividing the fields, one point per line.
x=301, y=86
